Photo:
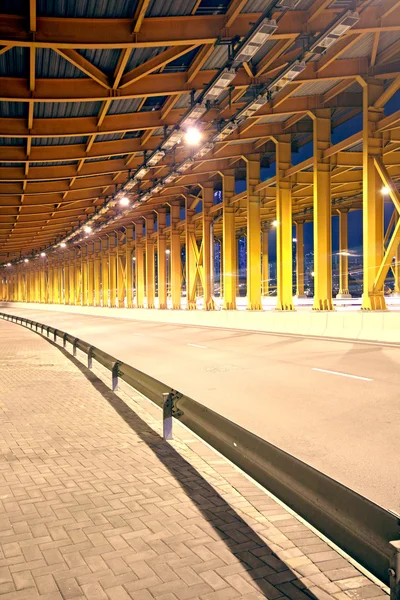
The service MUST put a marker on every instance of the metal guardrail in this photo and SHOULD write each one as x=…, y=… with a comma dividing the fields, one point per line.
x=367, y=532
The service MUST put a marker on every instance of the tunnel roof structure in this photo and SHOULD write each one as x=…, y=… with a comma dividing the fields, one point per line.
x=96, y=96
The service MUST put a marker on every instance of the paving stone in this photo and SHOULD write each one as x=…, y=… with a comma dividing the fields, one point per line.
x=97, y=506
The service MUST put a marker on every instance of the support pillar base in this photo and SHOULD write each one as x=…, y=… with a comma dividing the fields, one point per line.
x=343, y=295
x=285, y=307
x=373, y=302
x=300, y=297
x=395, y=295
x=323, y=305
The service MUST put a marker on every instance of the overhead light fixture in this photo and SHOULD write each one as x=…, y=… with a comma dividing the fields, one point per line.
x=275, y=223
x=63, y=244
x=290, y=73
x=331, y=36
x=385, y=190
x=87, y=229
x=172, y=140
x=195, y=113
x=294, y=240
x=156, y=157
x=193, y=136
x=8, y=265
x=142, y=172
x=171, y=177
x=42, y=254
x=124, y=201
x=168, y=251
x=222, y=81
x=226, y=130
x=250, y=110
x=26, y=260
x=257, y=39
x=185, y=165
x=204, y=149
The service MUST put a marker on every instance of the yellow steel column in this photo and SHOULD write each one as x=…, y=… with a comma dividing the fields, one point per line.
x=373, y=224
x=300, y=259
x=322, y=211
x=104, y=272
x=56, y=286
x=284, y=235
x=71, y=275
x=343, y=255
x=229, y=243
x=191, y=255
x=37, y=284
x=50, y=281
x=139, y=265
x=84, y=275
x=208, y=243
x=78, y=278
x=161, y=259
x=253, y=233
x=396, y=264
x=65, y=272
x=97, y=272
x=265, y=258
x=129, y=266
x=90, y=274
x=121, y=290
x=150, y=260
x=175, y=256
x=112, y=261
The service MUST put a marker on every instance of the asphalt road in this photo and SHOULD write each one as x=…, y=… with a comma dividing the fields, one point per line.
x=332, y=404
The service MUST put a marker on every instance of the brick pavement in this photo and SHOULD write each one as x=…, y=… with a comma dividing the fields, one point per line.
x=95, y=505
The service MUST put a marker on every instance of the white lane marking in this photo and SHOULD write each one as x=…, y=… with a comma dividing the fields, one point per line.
x=197, y=346
x=141, y=334
x=342, y=374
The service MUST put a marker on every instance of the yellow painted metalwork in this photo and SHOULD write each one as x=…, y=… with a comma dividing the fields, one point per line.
x=265, y=259
x=253, y=233
x=229, y=243
x=175, y=257
x=300, y=259
x=192, y=255
x=139, y=265
x=129, y=266
x=161, y=259
x=97, y=273
x=343, y=254
x=84, y=276
x=284, y=235
x=322, y=211
x=373, y=228
x=150, y=262
x=90, y=275
x=207, y=242
x=105, y=271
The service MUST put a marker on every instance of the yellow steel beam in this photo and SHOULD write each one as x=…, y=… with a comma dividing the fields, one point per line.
x=32, y=15
x=121, y=65
x=140, y=14
x=84, y=65
x=154, y=64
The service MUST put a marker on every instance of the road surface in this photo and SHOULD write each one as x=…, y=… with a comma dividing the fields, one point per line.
x=334, y=405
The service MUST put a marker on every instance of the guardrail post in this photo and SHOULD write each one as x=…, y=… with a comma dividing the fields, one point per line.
x=114, y=377
x=74, y=345
x=394, y=571
x=90, y=357
x=55, y=335
x=48, y=331
x=168, y=403
x=41, y=329
x=64, y=340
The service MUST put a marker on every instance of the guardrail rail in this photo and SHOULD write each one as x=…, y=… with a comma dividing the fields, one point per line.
x=366, y=531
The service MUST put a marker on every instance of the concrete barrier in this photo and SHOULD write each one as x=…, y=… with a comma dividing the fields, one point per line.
x=346, y=325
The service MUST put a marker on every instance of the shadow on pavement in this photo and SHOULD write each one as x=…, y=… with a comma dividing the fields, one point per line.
x=240, y=539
